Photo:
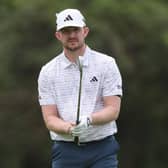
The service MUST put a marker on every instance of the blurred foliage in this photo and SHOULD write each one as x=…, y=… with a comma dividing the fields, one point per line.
x=134, y=32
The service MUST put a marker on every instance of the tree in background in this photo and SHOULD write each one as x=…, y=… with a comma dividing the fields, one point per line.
x=134, y=32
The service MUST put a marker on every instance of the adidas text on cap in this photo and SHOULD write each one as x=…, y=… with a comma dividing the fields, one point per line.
x=69, y=18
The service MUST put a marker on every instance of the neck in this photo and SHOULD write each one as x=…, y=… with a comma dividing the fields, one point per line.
x=73, y=55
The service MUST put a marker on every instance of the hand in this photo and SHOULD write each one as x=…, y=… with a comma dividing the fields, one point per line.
x=82, y=127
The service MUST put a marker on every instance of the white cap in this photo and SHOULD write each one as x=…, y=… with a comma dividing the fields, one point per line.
x=69, y=18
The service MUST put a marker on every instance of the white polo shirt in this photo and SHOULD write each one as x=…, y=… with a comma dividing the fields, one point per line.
x=58, y=84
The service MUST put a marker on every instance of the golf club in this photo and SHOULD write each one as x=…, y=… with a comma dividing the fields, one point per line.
x=80, y=64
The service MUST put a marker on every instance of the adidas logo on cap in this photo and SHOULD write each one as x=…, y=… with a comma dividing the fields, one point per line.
x=69, y=18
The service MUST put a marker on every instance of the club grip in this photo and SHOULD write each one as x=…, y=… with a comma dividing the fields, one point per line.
x=76, y=140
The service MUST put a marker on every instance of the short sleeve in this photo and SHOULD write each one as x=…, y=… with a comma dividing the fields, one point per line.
x=112, y=84
x=45, y=92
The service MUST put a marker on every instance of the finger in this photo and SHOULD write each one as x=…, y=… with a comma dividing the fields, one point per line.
x=73, y=124
x=77, y=132
x=78, y=127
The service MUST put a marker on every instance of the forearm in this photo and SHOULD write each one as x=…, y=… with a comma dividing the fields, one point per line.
x=53, y=121
x=104, y=116
x=109, y=113
x=57, y=125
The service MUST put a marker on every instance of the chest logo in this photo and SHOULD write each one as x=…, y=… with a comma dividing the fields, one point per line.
x=94, y=79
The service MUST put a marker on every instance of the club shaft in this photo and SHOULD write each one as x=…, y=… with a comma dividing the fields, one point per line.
x=76, y=140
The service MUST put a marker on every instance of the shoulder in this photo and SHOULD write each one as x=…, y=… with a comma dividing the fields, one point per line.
x=51, y=65
x=48, y=70
x=101, y=58
x=102, y=62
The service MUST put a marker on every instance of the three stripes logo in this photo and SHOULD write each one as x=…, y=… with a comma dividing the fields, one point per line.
x=94, y=79
x=68, y=18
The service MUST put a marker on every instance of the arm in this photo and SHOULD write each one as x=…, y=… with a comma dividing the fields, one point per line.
x=48, y=106
x=111, y=92
x=112, y=87
x=52, y=120
x=110, y=111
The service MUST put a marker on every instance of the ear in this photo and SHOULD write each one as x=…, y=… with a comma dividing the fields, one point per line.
x=58, y=35
x=86, y=31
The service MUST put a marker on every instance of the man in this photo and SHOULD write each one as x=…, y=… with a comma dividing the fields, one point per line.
x=90, y=86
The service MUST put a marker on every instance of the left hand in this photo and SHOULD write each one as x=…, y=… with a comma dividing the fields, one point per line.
x=82, y=127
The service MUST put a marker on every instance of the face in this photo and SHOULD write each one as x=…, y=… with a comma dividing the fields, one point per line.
x=72, y=38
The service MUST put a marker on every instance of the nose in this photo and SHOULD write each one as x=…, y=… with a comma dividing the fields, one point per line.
x=72, y=33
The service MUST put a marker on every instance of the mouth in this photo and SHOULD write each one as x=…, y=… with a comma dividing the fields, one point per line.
x=72, y=40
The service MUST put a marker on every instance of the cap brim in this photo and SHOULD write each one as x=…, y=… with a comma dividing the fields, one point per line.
x=70, y=25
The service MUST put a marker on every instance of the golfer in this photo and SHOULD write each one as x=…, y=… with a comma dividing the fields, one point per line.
x=80, y=95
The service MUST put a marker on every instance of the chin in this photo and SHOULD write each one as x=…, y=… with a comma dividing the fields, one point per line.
x=75, y=48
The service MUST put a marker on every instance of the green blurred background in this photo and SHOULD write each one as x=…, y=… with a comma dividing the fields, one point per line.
x=134, y=32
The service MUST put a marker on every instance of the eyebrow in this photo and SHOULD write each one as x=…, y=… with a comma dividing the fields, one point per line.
x=70, y=29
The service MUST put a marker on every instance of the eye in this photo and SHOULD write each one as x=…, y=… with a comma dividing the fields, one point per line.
x=76, y=29
x=64, y=31
x=70, y=30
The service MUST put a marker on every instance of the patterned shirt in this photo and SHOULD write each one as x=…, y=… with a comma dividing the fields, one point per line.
x=58, y=84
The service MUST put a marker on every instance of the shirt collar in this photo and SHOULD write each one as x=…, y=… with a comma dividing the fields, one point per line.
x=66, y=63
